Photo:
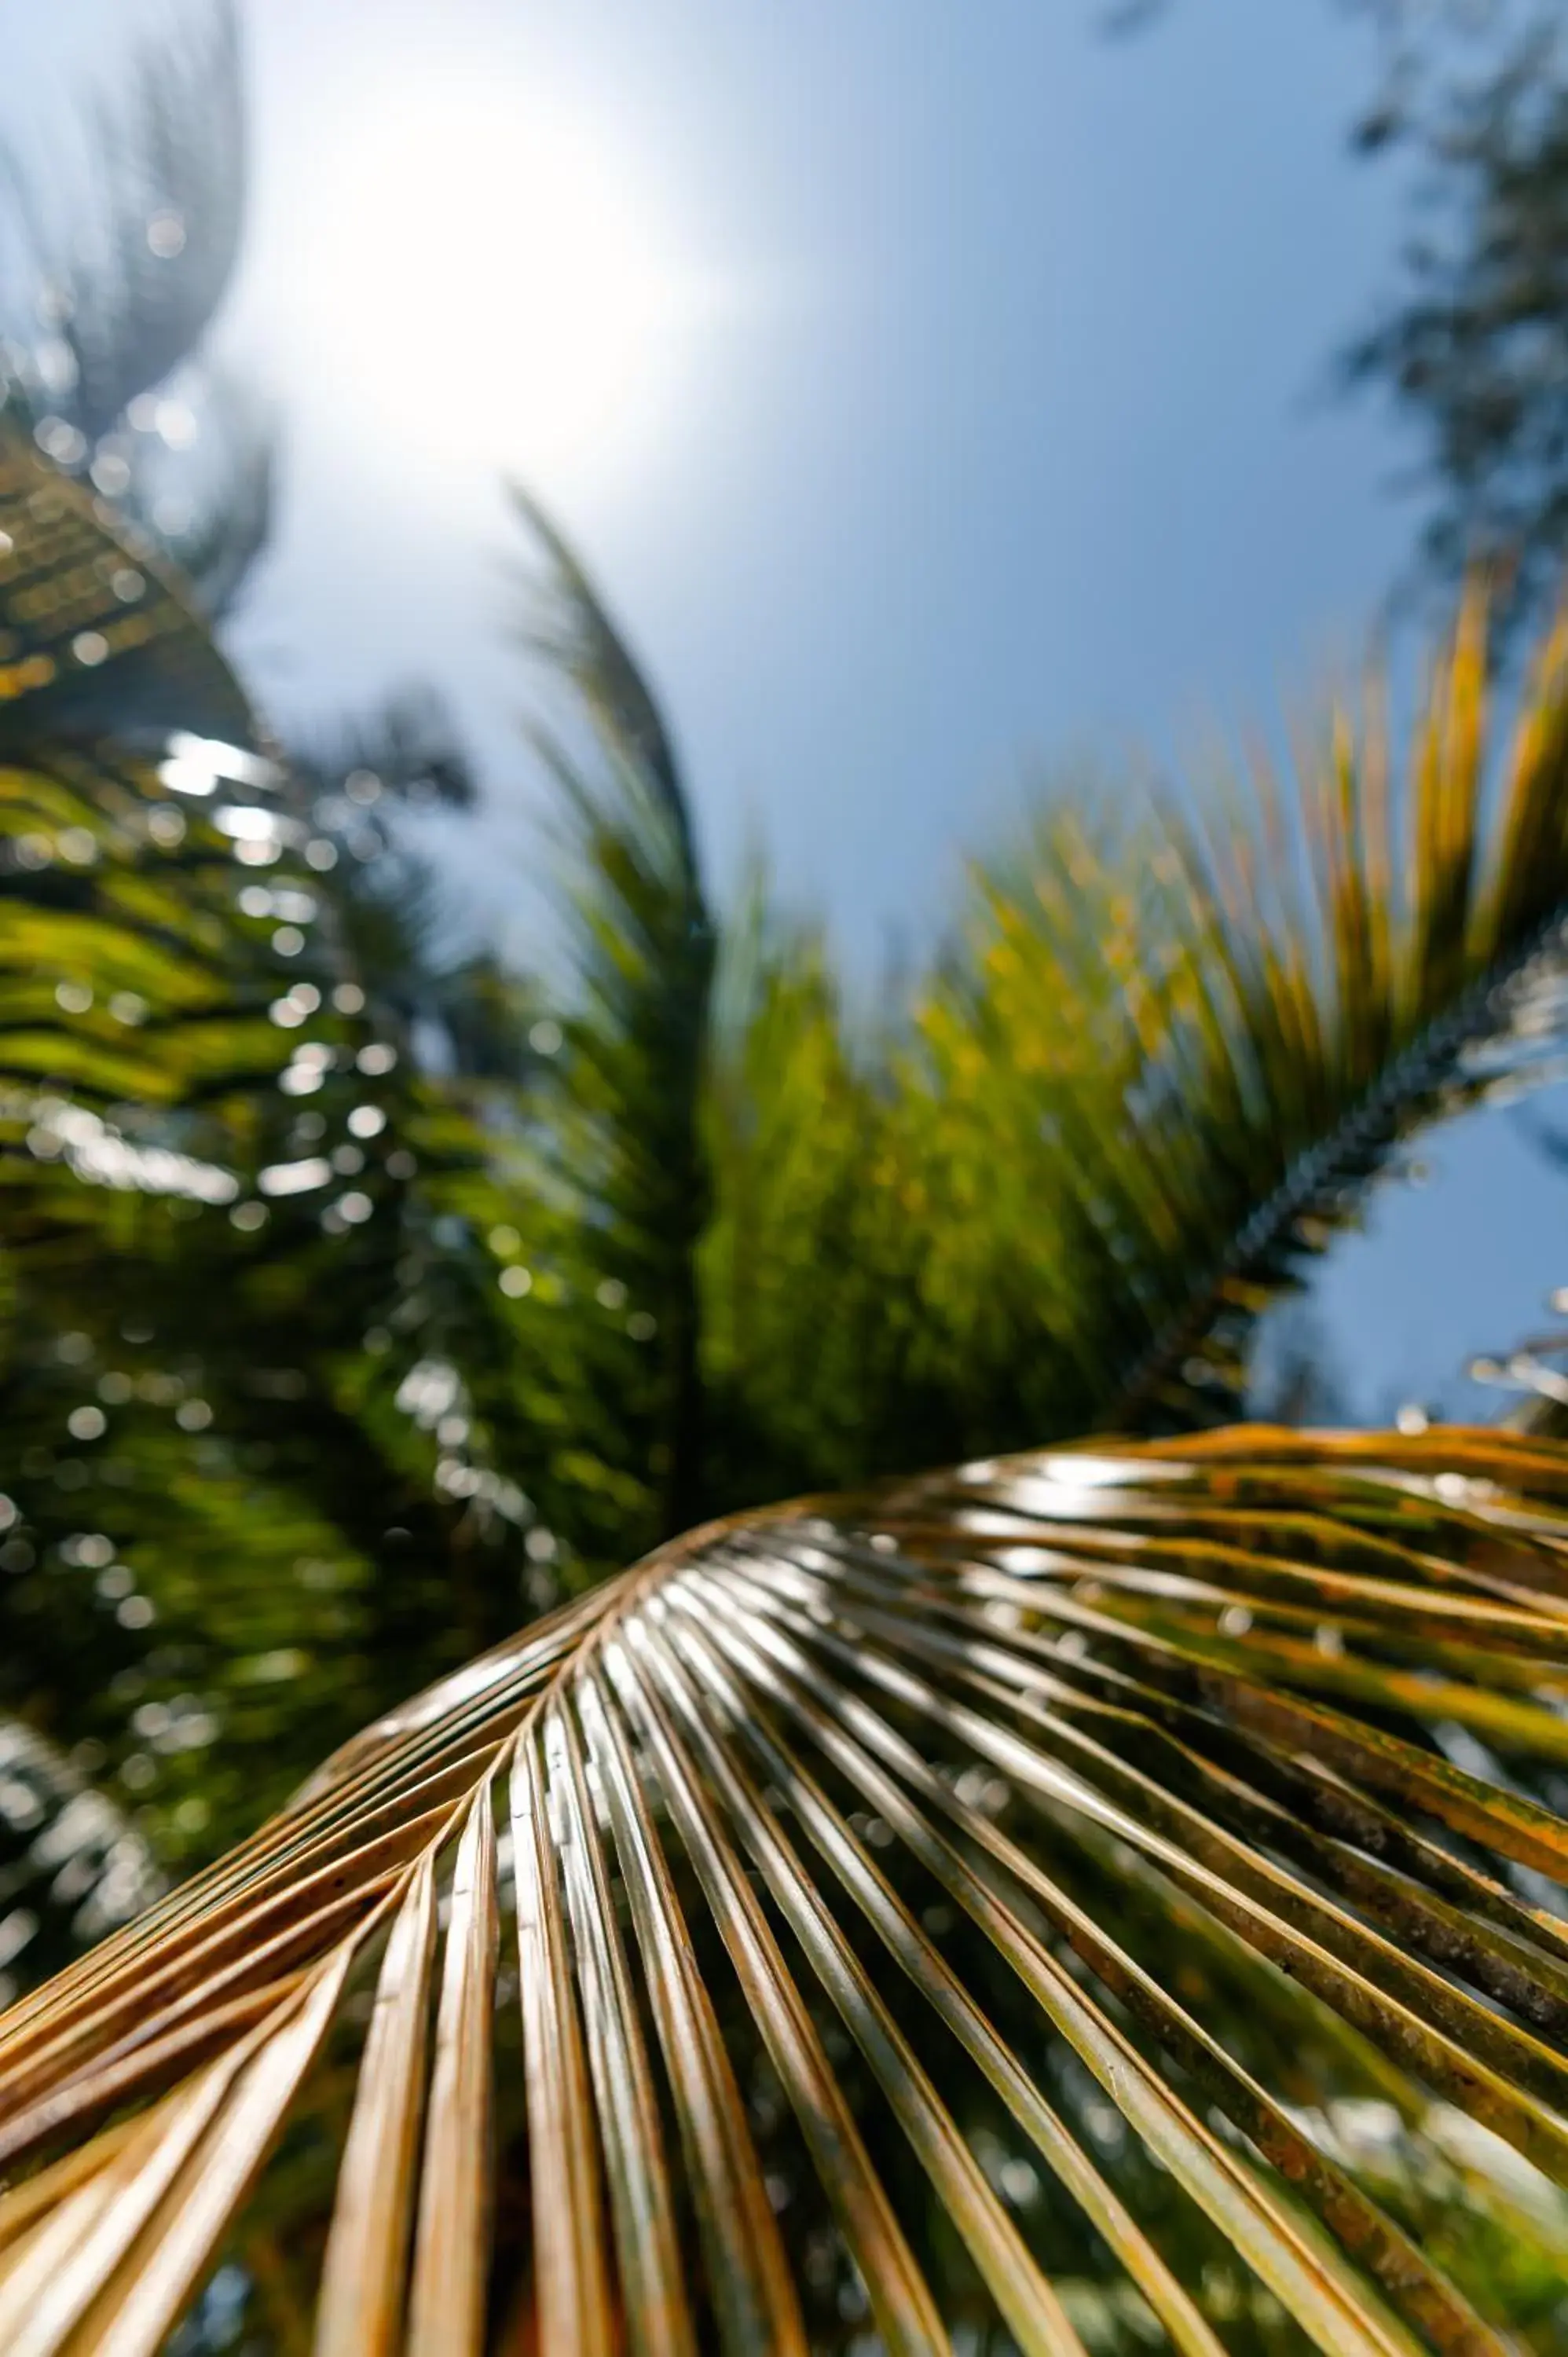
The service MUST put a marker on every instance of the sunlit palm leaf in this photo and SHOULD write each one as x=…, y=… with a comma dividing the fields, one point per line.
x=1176, y=1042
x=810, y=1262
x=97, y=636
x=1201, y=1773
x=108, y=300
x=1183, y=1039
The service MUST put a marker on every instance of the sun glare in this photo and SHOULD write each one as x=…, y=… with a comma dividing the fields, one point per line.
x=487, y=283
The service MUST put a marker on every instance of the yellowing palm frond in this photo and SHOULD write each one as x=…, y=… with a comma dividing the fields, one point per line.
x=998, y=1895
x=1182, y=1041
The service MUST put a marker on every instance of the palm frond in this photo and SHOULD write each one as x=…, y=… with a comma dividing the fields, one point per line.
x=110, y=300
x=98, y=635
x=847, y=1845
x=1173, y=1056
x=155, y=1072
x=289, y=1287
x=810, y=1262
x=637, y=1037
x=131, y=282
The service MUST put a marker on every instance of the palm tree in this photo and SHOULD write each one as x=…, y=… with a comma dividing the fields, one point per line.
x=190, y=1013
x=1204, y=1790
x=1205, y=1786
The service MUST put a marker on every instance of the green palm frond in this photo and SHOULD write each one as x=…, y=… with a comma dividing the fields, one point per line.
x=1167, y=1066
x=1175, y=1042
x=1000, y=1899
x=636, y=1036
x=808, y=1266
x=280, y=1298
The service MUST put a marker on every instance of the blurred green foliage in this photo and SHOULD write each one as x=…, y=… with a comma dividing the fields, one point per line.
x=359, y=1296
x=361, y=1300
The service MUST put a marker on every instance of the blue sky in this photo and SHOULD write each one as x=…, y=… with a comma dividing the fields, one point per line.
x=988, y=432
x=1006, y=439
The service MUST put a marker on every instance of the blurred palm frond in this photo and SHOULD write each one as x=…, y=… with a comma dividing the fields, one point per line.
x=636, y=1037
x=99, y=636
x=118, y=284
x=137, y=292
x=1177, y=1046
x=283, y=1287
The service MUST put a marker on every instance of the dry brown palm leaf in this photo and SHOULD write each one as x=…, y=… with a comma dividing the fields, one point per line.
x=895, y=1878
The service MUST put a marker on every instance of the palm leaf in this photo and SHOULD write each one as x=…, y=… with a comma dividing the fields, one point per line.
x=809, y=1265
x=637, y=1042
x=1175, y=1041
x=224, y=1164
x=136, y=282
x=126, y=282
x=1040, y=1733
x=97, y=636
x=1180, y=1041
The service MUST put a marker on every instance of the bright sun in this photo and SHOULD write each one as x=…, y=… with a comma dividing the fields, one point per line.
x=487, y=283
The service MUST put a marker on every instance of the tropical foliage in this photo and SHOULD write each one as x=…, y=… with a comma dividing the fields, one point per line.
x=105, y=301
x=1188, y=1787
x=360, y=1298
x=306, y=1232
